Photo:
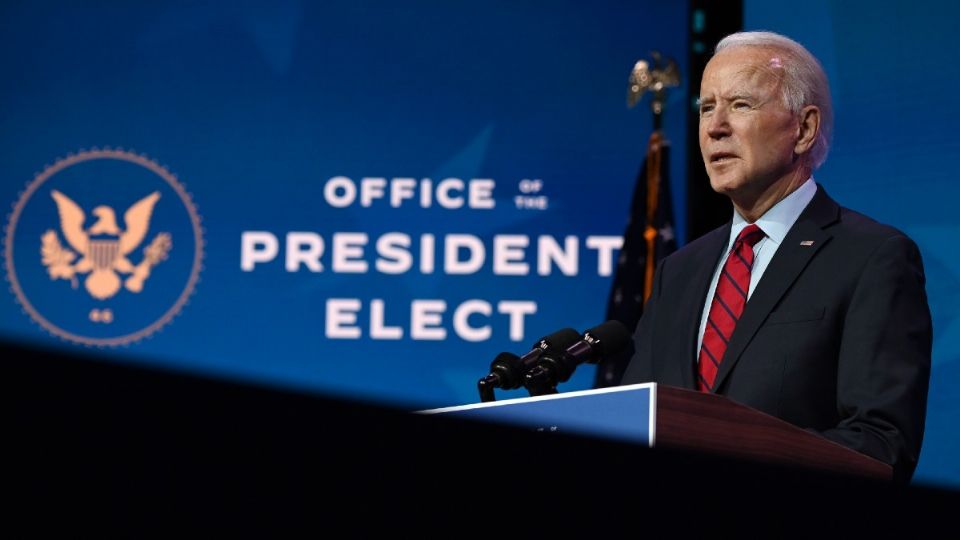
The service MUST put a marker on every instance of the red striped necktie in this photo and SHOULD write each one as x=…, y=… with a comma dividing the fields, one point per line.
x=727, y=305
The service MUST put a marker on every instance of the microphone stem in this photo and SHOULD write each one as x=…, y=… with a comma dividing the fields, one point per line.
x=486, y=386
x=538, y=383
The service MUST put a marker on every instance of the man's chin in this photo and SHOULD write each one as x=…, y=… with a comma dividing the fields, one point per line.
x=725, y=185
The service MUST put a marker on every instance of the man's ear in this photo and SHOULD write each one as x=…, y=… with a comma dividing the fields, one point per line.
x=808, y=128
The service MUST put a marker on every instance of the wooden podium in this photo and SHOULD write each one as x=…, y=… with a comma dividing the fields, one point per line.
x=668, y=417
x=102, y=439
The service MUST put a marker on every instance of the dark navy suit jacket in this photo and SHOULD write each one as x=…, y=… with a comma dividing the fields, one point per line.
x=835, y=338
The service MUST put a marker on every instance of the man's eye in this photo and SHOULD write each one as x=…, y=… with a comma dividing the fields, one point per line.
x=704, y=109
x=740, y=105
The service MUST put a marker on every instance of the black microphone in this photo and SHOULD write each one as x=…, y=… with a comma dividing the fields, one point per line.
x=599, y=342
x=507, y=370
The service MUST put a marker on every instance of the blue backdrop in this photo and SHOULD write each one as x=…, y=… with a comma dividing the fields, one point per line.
x=239, y=116
x=893, y=73
x=293, y=239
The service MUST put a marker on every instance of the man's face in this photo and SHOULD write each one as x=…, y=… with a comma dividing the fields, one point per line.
x=747, y=135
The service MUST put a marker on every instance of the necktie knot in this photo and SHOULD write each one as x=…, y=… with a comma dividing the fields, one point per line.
x=750, y=235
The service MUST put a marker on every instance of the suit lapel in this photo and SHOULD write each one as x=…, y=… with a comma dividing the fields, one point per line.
x=696, y=293
x=791, y=258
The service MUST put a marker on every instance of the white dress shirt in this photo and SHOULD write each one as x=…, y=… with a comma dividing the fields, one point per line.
x=775, y=222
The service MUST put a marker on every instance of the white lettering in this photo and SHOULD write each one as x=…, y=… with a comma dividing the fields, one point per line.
x=306, y=248
x=342, y=312
x=450, y=193
x=340, y=183
x=461, y=323
x=377, y=328
x=347, y=250
x=257, y=247
x=427, y=248
x=401, y=189
x=425, y=320
x=470, y=322
x=451, y=252
x=605, y=246
x=443, y=193
x=508, y=255
x=394, y=247
x=395, y=253
x=426, y=191
x=516, y=310
x=549, y=250
x=481, y=193
x=370, y=189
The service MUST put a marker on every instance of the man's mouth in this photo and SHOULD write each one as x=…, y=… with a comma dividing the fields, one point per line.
x=721, y=157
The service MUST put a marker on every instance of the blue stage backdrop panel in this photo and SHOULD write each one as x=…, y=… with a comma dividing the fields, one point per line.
x=369, y=199
x=894, y=77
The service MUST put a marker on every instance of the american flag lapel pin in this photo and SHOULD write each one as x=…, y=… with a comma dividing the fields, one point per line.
x=806, y=243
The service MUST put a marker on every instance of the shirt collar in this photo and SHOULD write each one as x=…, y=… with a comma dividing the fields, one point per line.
x=776, y=221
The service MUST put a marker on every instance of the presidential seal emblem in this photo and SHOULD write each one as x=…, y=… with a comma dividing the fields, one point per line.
x=103, y=248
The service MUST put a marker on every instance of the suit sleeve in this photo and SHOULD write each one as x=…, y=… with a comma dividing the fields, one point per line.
x=884, y=363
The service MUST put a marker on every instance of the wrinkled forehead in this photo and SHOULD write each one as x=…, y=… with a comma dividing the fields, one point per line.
x=743, y=70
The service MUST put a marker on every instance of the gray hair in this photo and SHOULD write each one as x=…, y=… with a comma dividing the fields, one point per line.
x=804, y=82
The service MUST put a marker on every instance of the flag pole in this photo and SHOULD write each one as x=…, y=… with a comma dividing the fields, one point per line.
x=657, y=78
x=650, y=233
x=647, y=237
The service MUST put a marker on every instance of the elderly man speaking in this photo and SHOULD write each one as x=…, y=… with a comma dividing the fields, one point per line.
x=797, y=307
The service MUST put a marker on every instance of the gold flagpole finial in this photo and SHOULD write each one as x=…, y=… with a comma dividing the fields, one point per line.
x=656, y=77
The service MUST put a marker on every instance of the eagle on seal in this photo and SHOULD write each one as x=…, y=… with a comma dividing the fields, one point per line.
x=104, y=246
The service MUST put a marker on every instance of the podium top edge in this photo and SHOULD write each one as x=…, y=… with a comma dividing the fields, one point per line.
x=566, y=395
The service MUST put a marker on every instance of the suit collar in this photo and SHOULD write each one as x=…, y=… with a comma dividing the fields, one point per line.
x=777, y=221
x=804, y=240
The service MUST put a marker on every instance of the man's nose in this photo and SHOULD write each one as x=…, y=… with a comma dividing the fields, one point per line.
x=717, y=124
